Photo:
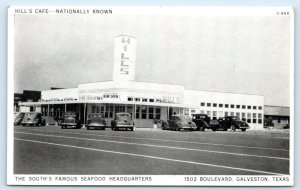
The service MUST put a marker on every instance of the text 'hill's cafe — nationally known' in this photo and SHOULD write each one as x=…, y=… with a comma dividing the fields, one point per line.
x=143, y=100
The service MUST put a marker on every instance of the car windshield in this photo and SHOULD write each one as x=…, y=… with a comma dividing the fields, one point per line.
x=30, y=115
x=122, y=116
x=235, y=118
x=96, y=116
x=19, y=115
x=185, y=118
x=70, y=114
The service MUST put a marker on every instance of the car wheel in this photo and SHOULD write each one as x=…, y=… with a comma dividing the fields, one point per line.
x=88, y=128
x=103, y=128
x=232, y=127
x=214, y=128
x=243, y=130
x=201, y=128
x=116, y=129
x=131, y=129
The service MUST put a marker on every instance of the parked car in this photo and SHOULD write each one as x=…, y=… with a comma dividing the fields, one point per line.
x=18, y=117
x=122, y=120
x=70, y=120
x=178, y=122
x=233, y=123
x=33, y=119
x=96, y=120
x=203, y=122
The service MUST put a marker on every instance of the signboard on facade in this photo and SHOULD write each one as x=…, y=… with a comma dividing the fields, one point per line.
x=124, y=58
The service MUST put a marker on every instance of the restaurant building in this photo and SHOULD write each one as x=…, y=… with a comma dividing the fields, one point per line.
x=144, y=100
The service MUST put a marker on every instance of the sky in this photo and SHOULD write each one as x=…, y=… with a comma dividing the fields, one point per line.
x=249, y=54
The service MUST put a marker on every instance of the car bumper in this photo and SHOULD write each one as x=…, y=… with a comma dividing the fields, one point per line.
x=188, y=127
x=96, y=126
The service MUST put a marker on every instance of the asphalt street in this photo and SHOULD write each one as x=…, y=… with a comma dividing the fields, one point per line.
x=52, y=150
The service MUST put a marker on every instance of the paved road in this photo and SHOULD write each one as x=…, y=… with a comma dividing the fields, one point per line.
x=51, y=150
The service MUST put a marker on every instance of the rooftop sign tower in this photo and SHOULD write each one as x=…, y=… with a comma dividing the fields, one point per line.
x=124, y=58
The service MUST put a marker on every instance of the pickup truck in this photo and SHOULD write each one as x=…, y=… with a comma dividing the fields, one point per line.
x=70, y=120
x=203, y=122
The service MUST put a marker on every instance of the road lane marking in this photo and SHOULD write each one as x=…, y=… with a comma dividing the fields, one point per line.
x=148, y=156
x=157, y=146
x=166, y=140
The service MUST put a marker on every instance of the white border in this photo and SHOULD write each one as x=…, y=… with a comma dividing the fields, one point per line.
x=161, y=180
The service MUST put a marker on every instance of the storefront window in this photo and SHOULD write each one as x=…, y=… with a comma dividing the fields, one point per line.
x=144, y=112
x=93, y=109
x=111, y=111
x=157, y=113
x=137, y=112
x=151, y=113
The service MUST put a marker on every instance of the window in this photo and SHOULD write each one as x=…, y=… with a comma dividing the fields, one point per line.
x=129, y=109
x=111, y=111
x=193, y=111
x=248, y=117
x=248, y=107
x=208, y=104
x=130, y=99
x=220, y=105
x=137, y=99
x=259, y=107
x=259, y=118
x=144, y=100
x=151, y=113
x=237, y=114
x=244, y=116
x=202, y=111
x=226, y=113
x=157, y=112
x=254, y=117
x=208, y=113
x=151, y=100
x=226, y=105
x=243, y=107
x=215, y=105
x=137, y=112
x=232, y=106
x=202, y=104
x=93, y=109
x=220, y=114
x=254, y=107
x=144, y=112
x=238, y=106
x=214, y=114
x=98, y=109
x=231, y=113
x=279, y=119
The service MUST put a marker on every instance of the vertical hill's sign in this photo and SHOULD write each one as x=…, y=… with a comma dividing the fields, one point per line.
x=124, y=58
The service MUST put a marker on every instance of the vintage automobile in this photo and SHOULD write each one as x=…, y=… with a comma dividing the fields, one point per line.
x=178, y=122
x=33, y=119
x=18, y=117
x=122, y=120
x=70, y=120
x=96, y=120
x=232, y=123
x=203, y=122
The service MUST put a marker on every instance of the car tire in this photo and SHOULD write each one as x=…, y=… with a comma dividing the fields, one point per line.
x=201, y=128
x=233, y=128
x=243, y=130
x=87, y=128
x=214, y=129
x=103, y=128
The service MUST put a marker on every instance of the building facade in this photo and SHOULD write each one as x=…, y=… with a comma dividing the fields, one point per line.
x=145, y=101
